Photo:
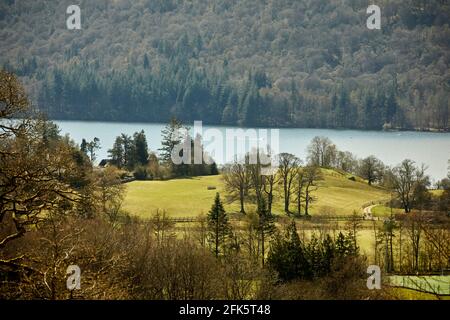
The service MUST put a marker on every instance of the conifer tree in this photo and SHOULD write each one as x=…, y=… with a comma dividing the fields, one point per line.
x=140, y=148
x=146, y=62
x=83, y=146
x=328, y=249
x=91, y=148
x=266, y=226
x=171, y=137
x=117, y=153
x=288, y=257
x=219, y=226
x=128, y=151
x=391, y=107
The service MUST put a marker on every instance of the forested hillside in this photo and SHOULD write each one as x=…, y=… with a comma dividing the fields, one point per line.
x=303, y=63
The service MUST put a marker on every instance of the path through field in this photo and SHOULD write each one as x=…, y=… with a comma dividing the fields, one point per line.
x=368, y=213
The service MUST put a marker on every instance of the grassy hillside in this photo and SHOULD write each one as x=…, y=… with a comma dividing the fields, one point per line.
x=340, y=195
x=191, y=197
x=383, y=211
x=178, y=197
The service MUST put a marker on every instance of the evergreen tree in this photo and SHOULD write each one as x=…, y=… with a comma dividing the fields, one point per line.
x=391, y=107
x=213, y=169
x=171, y=136
x=117, y=153
x=328, y=249
x=260, y=79
x=219, y=227
x=92, y=147
x=341, y=248
x=129, y=158
x=140, y=148
x=250, y=109
x=379, y=116
x=368, y=112
x=345, y=245
x=297, y=253
x=229, y=114
x=83, y=146
x=266, y=224
x=146, y=62
x=334, y=107
x=287, y=256
x=343, y=109
x=314, y=255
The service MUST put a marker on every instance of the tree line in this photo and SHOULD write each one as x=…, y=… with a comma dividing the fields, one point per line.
x=132, y=154
x=296, y=182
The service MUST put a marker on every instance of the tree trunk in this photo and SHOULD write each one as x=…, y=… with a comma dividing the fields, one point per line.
x=262, y=246
x=217, y=239
x=306, y=202
x=241, y=199
x=286, y=199
x=270, y=200
x=391, y=262
x=400, y=249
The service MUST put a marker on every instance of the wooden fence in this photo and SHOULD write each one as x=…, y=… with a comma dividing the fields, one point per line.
x=439, y=285
x=313, y=218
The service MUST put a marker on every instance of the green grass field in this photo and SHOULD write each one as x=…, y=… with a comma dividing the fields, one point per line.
x=437, y=193
x=431, y=284
x=341, y=195
x=191, y=197
x=409, y=294
x=383, y=211
x=178, y=197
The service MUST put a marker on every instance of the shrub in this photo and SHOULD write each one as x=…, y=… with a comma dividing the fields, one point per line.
x=140, y=173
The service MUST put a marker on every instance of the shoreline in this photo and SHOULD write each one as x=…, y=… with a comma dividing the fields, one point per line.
x=428, y=130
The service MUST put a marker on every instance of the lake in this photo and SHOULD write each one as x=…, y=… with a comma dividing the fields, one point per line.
x=432, y=149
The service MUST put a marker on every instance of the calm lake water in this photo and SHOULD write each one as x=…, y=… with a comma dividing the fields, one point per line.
x=432, y=149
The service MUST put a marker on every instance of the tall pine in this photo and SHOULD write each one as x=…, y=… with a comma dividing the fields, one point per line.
x=140, y=148
x=219, y=227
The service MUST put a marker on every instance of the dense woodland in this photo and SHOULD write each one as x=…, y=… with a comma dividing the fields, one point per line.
x=309, y=63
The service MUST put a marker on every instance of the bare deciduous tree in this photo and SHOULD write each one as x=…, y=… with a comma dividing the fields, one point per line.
x=111, y=191
x=408, y=181
x=288, y=170
x=321, y=152
x=237, y=181
x=312, y=175
x=269, y=184
x=371, y=169
x=300, y=182
x=39, y=171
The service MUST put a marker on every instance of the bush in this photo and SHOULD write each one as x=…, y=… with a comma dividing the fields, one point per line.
x=140, y=173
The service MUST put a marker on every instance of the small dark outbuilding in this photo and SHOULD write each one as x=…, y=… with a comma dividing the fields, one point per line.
x=104, y=163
